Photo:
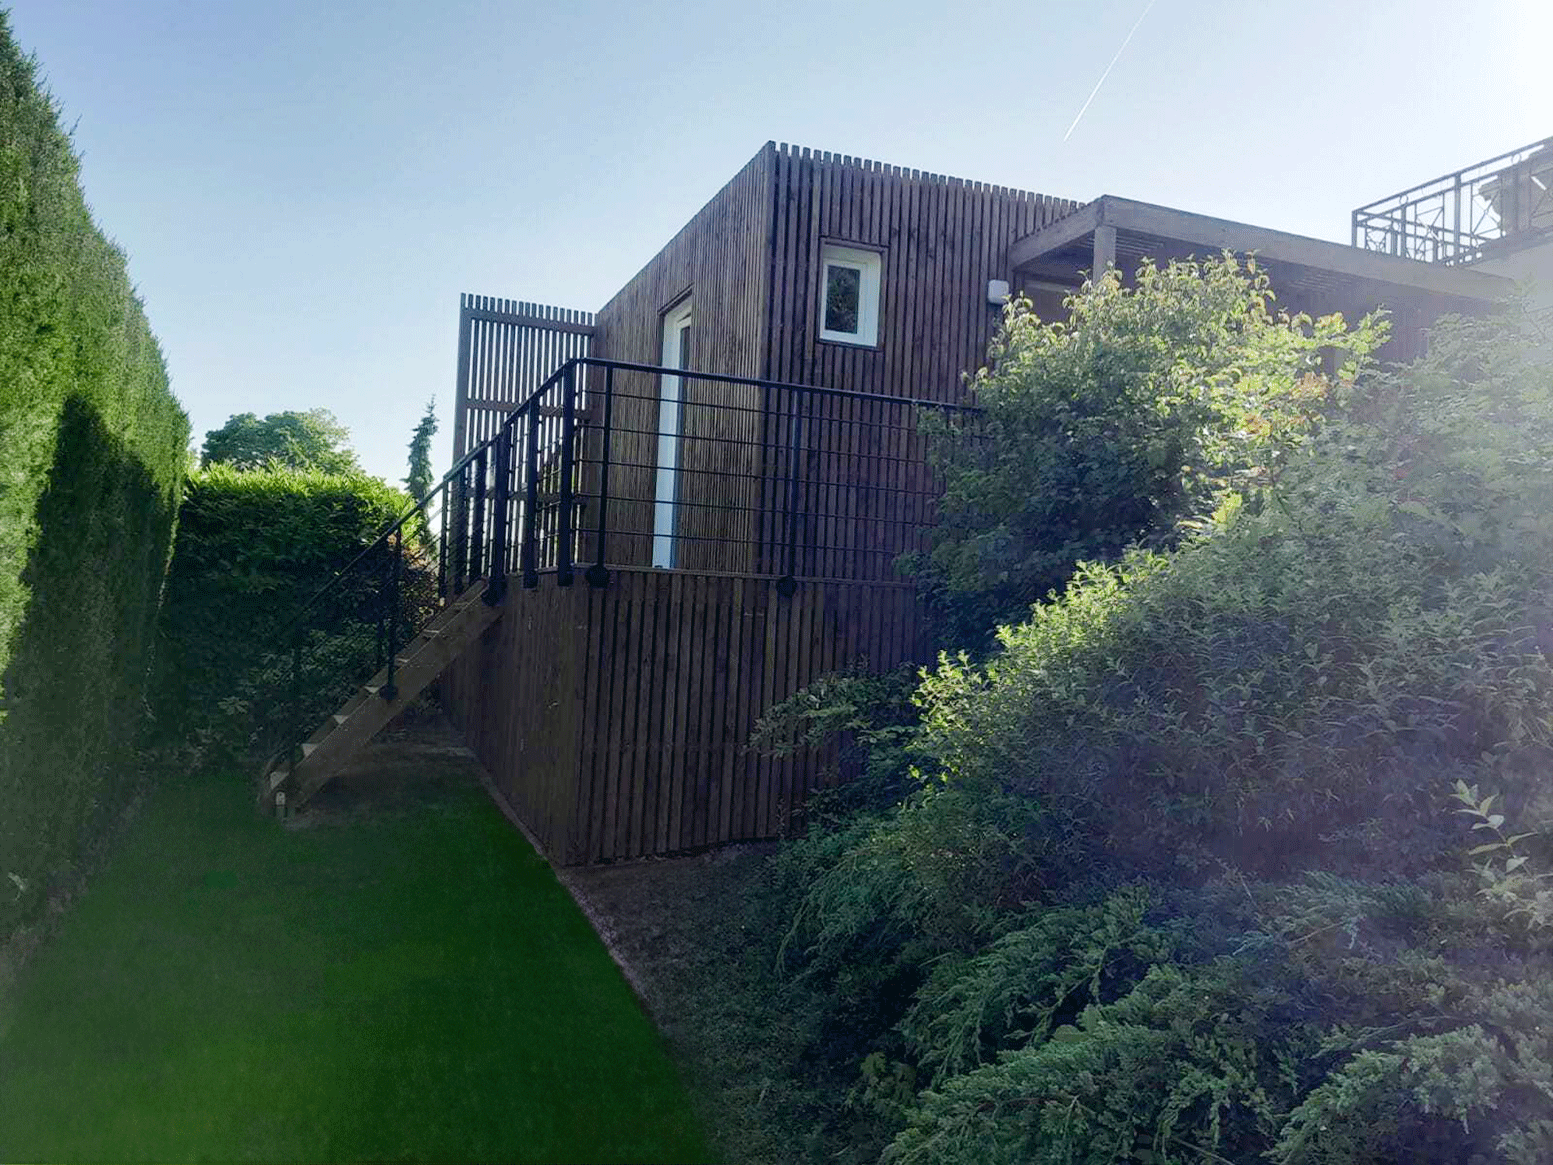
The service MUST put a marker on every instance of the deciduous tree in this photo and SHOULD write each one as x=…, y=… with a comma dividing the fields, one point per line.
x=314, y=439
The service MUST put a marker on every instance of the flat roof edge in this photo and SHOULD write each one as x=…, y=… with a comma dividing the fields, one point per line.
x=1146, y=218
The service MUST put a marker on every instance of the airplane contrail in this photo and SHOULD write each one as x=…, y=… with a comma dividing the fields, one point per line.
x=1108, y=68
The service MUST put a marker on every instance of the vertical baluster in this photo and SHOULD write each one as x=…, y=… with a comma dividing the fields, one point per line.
x=598, y=573
x=496, y=588
x=531, y=506
x=391, y=597
x=443, y=495
x=458, y=498
x=477, y=547
x=788, y=583
x=563, y=558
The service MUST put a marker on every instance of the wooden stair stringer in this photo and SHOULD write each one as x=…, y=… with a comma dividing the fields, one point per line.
x=344, y=733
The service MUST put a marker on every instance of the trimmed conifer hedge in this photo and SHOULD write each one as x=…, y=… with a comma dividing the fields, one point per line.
x=93, y=447
x=253, y=547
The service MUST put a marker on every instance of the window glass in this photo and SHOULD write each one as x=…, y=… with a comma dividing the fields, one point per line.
x=843, y=297
x=848, y=295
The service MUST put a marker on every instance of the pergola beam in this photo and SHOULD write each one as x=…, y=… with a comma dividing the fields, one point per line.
x=1109, y=215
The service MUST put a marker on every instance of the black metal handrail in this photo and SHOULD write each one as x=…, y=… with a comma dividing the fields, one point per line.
x=624, y=465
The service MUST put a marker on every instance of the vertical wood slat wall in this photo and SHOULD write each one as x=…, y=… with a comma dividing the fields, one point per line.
x=720, y=259
x=506, y=349
x=941, y=239
x=614, y=720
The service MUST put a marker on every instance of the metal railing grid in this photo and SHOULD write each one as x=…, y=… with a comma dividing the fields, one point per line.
x=1467, y=215
x=613, y=465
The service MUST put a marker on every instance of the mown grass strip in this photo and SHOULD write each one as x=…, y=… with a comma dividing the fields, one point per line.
x=408, y=986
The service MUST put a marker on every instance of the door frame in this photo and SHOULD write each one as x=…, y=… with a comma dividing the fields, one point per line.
x=678, y=336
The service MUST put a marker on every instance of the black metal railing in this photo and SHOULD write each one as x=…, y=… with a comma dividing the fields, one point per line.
x=612, y=465
x=727, y=474
x=1468, y=215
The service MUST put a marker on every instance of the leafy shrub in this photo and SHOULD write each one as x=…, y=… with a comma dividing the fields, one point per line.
x=859, y=725
x=1237, y=851
x=1136, y=412
x=92, y=454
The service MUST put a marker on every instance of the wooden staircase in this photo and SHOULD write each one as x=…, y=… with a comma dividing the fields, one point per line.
x=285, y=786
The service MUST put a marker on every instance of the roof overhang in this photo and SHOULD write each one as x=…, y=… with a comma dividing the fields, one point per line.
x=1130, y=231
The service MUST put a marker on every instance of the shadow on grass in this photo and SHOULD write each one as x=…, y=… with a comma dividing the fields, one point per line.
x=413, y=985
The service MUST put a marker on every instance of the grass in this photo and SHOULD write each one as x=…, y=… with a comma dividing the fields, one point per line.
x=410, y=985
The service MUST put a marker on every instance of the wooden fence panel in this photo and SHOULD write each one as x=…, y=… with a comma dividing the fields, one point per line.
x=506, y=349
x=614, y=720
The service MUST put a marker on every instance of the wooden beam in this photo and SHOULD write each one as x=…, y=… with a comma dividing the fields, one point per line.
x=1129, y=217
x=1105, y=249
x=528, y=321
x=1054, y=236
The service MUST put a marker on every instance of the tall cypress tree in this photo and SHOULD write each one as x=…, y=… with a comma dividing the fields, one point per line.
x=420, y=479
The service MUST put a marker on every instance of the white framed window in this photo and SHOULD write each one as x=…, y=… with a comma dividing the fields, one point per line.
x=849, y=295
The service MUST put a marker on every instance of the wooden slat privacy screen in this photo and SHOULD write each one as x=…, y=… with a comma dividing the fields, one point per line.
x=506, y=349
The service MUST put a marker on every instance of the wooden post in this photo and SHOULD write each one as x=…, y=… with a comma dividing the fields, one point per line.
x=1105, y=250
x=461, y=385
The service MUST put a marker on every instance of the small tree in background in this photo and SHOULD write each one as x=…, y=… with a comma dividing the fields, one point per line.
x=1140, y=411
x=421, y=479
x=311, y=440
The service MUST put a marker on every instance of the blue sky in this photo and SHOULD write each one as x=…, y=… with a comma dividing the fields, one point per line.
x=304, y=188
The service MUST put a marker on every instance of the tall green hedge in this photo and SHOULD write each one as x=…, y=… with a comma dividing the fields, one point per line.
x=253, y=546
x=92, y=453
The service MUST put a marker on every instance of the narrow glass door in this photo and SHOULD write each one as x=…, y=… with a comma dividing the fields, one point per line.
x=676, y=354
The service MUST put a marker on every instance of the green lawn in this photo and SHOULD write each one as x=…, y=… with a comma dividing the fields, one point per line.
x=409, y=985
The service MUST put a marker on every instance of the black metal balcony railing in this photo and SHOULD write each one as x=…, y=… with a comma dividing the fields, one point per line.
x=1466, y=216
x=610, y=465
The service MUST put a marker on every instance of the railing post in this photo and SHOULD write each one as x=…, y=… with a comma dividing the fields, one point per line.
x=477, y=564
x=390, y=690
x=444, y=494
x=458, y=538
x=1457, y=248
x=598, y=573
x=788, y=583
x=531, y=506
x=382, y=633
x=563, y=555
x=496, y=588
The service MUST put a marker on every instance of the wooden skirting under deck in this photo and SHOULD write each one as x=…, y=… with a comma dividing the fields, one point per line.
x=614, y=719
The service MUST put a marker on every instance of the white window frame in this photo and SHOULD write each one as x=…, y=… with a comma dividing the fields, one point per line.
x=666, y=492
x=868, y=265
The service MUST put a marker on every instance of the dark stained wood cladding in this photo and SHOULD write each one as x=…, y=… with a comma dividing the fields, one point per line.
x=614, y=720
x=721, y=259
x=941, y=240
x=516, y=692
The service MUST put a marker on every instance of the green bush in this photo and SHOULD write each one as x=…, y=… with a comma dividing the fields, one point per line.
x=1238, y=851
x=253, y=547
x=92, y=454
x=1136, y=412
